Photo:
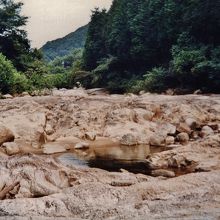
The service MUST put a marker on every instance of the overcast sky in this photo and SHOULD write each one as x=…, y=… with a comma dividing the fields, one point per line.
x=51, y=19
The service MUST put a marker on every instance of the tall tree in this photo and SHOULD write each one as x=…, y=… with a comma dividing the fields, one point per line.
x=95, y=46
x=13, y=39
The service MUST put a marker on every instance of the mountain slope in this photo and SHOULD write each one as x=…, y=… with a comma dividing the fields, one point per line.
x=65, y=45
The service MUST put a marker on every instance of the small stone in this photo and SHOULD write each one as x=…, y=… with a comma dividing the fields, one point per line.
x=183, y=127
x=91, y=136
x=191, y=123
x=183, y=137
x=11, y=148
x=82, y=145
x=6, y=135
x=7, y=96
x=170, y=140
x=164, y=173
x=157, y=140
x=25, y=94
x=142, y=92
x=49, y=129
x=206, y=131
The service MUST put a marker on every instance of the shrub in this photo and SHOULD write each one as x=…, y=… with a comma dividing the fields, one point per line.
x=155, y=80
x=7, y=72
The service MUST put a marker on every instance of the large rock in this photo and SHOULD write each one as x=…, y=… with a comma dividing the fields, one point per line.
x=6, y=135
x=183, y=137
x=11, y=148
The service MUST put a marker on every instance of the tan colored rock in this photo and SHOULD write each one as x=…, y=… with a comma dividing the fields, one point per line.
x=91, y=136
x=82, y=145
x=183, y=127
x=7, y=96
x=206, y=131
x=183, y=137
x=164, y=173
x=191, y=122
x=52, y=148
x=11, y=148
x=157, y=140
x=49, y=129
x=170, y=140
x=6, y=135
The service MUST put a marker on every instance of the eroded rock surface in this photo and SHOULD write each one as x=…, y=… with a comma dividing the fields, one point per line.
x=184, y=181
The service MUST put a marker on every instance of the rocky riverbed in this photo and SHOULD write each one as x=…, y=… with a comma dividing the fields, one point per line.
x=182, y=178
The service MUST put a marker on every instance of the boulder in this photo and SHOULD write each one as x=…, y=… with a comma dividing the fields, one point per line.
x=183, y=137
x=129, y=140
x=170, y=140
x=164, y=173
x=82, y=145
x=6, y=135
x=206, y=131
x=91, y=136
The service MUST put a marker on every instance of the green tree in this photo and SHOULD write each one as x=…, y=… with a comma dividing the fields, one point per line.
x=13, y=39
x=95, y=46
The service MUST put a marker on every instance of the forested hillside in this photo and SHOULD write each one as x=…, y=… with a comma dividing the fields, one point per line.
x=63, y=46
x=155, y=45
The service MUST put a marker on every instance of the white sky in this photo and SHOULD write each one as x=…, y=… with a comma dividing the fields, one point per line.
x=51, y=19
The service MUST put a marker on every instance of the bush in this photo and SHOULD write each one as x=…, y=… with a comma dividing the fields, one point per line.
x=20, y=83
x=7, y=72
x=155, y=80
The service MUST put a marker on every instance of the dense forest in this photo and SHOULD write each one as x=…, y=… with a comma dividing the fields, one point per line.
x=155, y=45
x=150, y=45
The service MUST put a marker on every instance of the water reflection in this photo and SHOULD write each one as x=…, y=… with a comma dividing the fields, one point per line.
x=111, y=158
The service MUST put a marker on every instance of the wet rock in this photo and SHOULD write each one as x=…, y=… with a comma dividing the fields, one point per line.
x=206, y=131
x=91, y=136
x=164, y=173
x=129, y=140
x=6, y=135
x=52, y=148
x=11, y=148
x=170, y=140
x=183, y=137
x=82, y=145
